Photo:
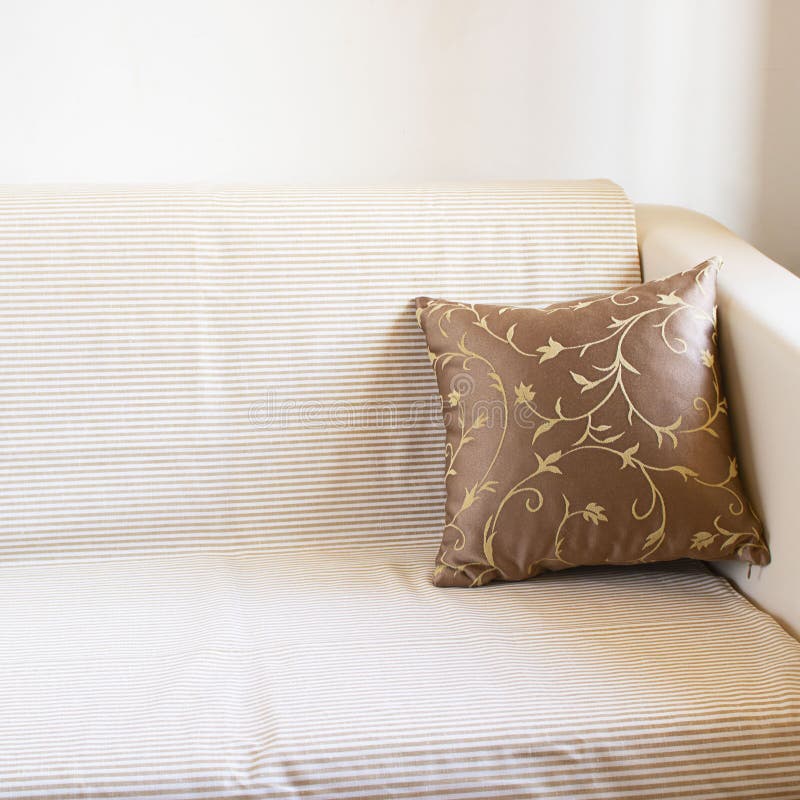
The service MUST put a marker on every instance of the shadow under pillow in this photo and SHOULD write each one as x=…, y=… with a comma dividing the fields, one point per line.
x=594, y=432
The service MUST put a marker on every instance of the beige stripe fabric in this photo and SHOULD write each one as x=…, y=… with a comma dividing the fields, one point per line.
x=221, y=489
x=280, y=675
x=239, y=368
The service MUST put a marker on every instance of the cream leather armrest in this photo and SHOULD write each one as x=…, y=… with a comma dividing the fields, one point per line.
x=759, y=317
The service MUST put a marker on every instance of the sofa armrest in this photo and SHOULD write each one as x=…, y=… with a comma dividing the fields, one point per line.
x=759, y=313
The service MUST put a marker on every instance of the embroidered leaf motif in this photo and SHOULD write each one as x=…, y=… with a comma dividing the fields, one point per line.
x=579, y=379
x=685, y=472
x=454, y=397
x=669, y=430
x=627, y=456
x=524, y=393
x=731, y=540
x=543, y=428
x=627, y=365
x=583, y=381
x=702, y=539
x=497, y=383
x=471, y=494
x=610, y=439
x=487, y=540
x=547, y=463
x=549, y=350
x=707, y=358
x=469, y=497
x=670, y=299
x=654, y=539
x=594, y=513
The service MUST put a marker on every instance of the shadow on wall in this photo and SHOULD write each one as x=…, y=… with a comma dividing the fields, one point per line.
x=776, y=214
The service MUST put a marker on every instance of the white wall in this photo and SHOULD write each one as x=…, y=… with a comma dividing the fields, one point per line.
x=680, y=101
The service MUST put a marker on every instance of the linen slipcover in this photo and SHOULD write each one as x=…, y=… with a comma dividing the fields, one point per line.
x=192, y=368
x=283, y=675
x=221, y=495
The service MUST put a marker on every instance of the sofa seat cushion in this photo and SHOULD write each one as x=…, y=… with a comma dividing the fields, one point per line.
x=350, y=675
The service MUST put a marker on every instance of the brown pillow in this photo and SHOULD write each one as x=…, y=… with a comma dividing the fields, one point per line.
x=593, y=432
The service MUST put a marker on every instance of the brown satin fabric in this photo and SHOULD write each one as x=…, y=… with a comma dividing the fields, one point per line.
x=587, y=433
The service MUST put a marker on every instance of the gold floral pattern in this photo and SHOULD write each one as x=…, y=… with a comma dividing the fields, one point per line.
x=586, y=433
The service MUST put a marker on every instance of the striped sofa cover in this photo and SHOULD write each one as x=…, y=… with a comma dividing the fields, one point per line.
x=221, y=498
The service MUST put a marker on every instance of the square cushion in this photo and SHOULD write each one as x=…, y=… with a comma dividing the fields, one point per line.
x=593, y=432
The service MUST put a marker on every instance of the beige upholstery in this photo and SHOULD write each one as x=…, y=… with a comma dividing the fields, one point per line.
x=274, y=676
x=234, y=369
x=206, y=593
x=760, y=340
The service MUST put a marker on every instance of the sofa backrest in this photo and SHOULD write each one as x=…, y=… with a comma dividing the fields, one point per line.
x=234, y=368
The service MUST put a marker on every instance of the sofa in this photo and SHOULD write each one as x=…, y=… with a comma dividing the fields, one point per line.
x=222, y=496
